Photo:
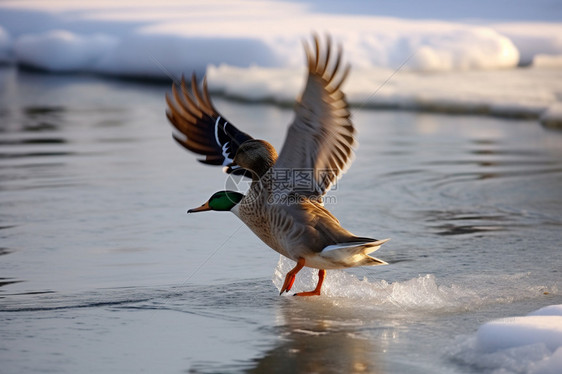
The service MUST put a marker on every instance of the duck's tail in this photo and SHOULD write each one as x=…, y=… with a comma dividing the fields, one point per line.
x=355, y=253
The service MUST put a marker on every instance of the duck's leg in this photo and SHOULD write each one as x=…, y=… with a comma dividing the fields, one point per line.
x=316, y=292
x=290, y=277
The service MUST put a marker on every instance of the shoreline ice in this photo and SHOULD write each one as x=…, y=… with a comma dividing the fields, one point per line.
x=533, y=93
x=527, y=344
x=252, y=50
x=127, y=37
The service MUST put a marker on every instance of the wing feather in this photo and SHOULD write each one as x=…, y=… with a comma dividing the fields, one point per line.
x=321, y=137
x=201, y=128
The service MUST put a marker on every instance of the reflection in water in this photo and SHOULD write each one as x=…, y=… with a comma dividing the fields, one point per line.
x=450, y=229
x=32, y=119
x=452, y=222
x=467, y=186
x=6, y=281
x=489, y=160
x=38, y=119
x=315, y=339
x=32, y=141
x=5, y=251
x=31, y=134
x=35, y=154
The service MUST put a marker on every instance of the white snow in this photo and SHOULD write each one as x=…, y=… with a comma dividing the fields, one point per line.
x=520, y=331
x=368, y=41
x=527, y=344
x=252, y=48
x=532, y=38
x=127, y=37
x=61, y=50
x=526, y=93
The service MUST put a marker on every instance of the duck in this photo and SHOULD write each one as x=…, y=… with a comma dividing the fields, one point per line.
x=284, y=205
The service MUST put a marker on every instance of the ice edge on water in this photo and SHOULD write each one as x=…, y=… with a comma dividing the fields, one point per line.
x=254, y=57
x=507, y=93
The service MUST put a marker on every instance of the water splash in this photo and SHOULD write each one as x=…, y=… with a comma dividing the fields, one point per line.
x=421, y=293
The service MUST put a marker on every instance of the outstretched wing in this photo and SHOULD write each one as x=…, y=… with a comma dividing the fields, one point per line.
x=319, y=145
x=202, y=129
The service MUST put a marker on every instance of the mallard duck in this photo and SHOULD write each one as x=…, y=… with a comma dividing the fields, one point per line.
x=283, y=205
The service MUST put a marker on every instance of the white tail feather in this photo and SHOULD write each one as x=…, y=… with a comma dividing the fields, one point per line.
x=347, y=255
x=365, y=247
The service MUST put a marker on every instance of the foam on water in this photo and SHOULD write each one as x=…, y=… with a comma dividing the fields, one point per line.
x=423, y=293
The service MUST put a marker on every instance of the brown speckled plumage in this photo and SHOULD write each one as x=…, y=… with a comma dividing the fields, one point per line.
x=320, y=140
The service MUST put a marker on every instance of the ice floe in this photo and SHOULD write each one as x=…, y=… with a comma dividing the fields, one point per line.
x=523, y=344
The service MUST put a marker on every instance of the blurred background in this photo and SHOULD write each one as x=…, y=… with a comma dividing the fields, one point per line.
x=458, y=107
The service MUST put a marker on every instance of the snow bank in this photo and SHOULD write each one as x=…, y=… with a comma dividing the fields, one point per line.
x=166, y=56
x=530, y=344
x=520, y=331
x=369, y=41
x=525, y=93
x=251, y=49
x=373, y=42
x=532, y=38
x=61, y=50
x=135, y=38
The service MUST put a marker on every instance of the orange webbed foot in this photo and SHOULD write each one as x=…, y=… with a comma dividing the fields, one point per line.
x=291, y=275
x=288, y=284
x=316, y=292
x=308, y=293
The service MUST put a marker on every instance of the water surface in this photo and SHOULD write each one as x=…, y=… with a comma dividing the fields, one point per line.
x=102, y=270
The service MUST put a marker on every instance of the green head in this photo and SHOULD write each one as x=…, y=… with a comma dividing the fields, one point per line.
x=221, y=201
